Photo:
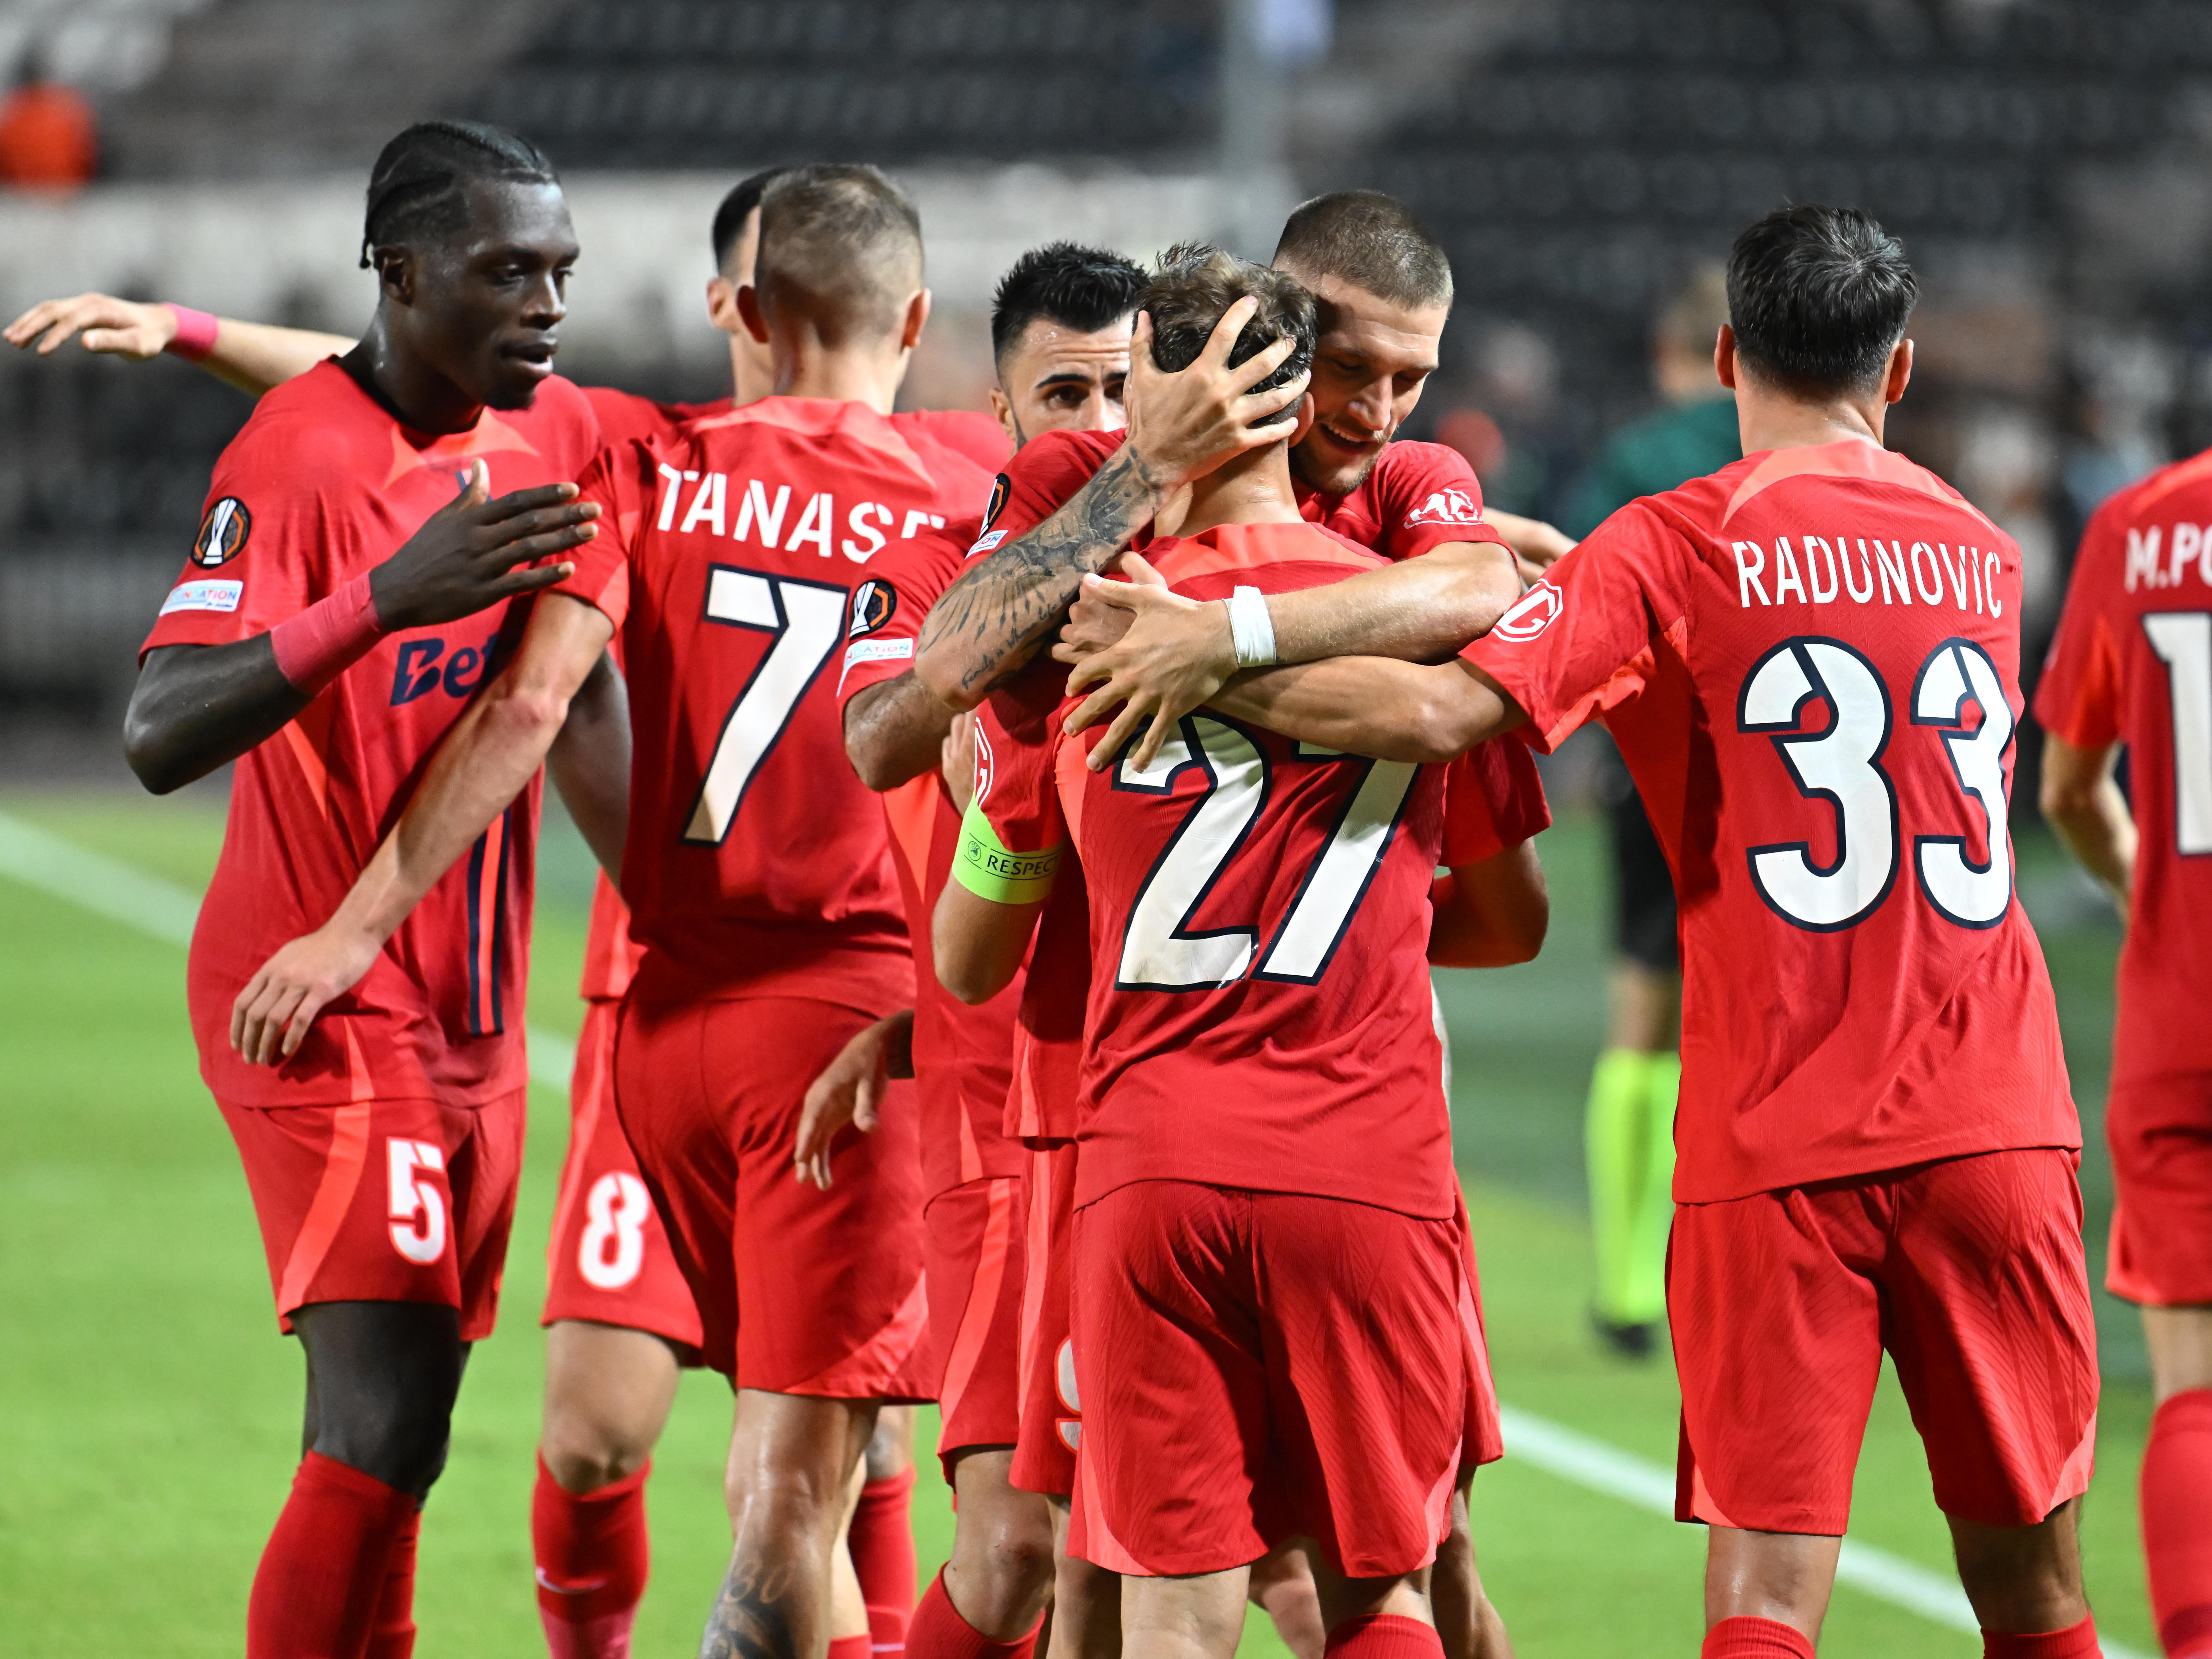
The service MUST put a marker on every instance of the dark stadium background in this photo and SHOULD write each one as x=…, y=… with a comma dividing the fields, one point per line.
x=2049, y=163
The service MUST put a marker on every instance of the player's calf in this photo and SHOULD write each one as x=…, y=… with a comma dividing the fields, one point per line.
x=2026, y=1582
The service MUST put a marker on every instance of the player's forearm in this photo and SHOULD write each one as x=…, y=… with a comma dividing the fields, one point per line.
x=1369, y=706
x=256, y=356
x=896, y=731
x=589, y=764
x=1491, y=913
x=198, y=706
x=2097, y=829
x=978, y=944
x=986, y=623
x=1421, y=609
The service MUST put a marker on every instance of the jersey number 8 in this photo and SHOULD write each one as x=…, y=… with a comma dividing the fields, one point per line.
x=1842, y=764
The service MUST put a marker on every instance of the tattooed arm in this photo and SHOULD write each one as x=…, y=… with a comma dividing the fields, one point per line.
x=1181, y=425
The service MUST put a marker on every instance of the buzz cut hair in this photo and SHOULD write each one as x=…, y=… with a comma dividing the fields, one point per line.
x=738, y=207
x=1082, y=288
x=840, y=244
x=1818, y=297
x=418, y=189
x=1370, y=241
x=1193, y=288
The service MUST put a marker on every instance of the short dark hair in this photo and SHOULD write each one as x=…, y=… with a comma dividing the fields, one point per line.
x=1084, y=288
x=1818, y=297
x=1372, y=241
x=737, y=207
x=417, y=188
x=1193, y=288
x=839, y=243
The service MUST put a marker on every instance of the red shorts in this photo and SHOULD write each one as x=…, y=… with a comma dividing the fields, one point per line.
x=1051, y=1413
x=976, y=1254
x=799, y=1291
x=1485, y=1441
x=2159, y=1130
x=608, y=1260
x=1257, y=1366
x=1968, y=1271
x=385, y=1200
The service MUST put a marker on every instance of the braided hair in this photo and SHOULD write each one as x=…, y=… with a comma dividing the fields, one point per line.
x=417, y=187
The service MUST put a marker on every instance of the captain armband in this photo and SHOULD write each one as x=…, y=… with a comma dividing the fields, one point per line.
x=983, y=864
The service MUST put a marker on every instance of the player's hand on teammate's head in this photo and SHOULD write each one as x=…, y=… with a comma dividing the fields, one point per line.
x=121, y=328
x=958, y=759
x=273, y=1014
x=474, y=552
x=1183, y=425
x=1176, y=653
x=851, y=1091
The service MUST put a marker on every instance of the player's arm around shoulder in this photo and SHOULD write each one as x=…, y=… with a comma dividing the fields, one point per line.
x=1492, y=907
x=483, y=762
x=252, y=356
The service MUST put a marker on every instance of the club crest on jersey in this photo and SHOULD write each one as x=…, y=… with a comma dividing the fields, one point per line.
x=223, y=533
x=1451, y=506
x=875, y=602
x=1531, y=614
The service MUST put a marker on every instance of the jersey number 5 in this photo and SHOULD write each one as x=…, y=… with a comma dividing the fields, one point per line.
x=808, y=620
x=1159, y=952
x=1842, y=764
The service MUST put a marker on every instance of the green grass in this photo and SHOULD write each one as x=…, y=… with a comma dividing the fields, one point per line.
x=148, y=1411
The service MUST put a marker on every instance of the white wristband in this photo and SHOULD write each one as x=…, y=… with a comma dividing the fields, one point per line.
x=1251, y=629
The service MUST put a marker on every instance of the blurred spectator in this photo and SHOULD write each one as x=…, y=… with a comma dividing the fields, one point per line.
x=1628, y=1126
x=48, y=139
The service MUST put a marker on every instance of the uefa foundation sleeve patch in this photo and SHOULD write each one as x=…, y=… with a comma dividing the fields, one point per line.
x=204, y=596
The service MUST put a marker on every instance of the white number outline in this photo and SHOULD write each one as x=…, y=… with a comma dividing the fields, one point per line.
x=617, y=1207
x=1785, y=735
x=1956, y=738
x=1373, y=809
x=2190, y=714
x=734, y=598
x=419, y=1205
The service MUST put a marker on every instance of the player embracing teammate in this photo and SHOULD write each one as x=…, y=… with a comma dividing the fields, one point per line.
x=1808, y=662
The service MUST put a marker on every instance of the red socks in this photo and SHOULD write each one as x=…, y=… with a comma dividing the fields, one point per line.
x=592, y=1553
x=392, y=1637
x=937, y=1632
x=1384, y=1636
x=881, y=1540
x=2176, y=1522
x=2078, y=1643
x=321, y=1586
x=1756, y=1638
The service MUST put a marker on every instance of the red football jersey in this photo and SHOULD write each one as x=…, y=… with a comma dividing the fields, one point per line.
x=1416, y=498
x=1258, y=911
x=321, y=485
x=2132, y=664
x=757, y=864
x=1810, y=660
x=962, y=1056
x=624, y=415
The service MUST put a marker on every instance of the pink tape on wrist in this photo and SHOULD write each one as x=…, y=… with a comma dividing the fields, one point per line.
x=327, y=638
x=196, y=332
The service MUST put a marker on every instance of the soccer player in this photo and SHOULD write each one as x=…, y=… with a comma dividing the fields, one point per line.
x=2132, y=664
x=1260, y=1105
x=1060, y=329
x=756, y=866
x=619, y=1317
x=1628, y=1133
x=326, y=635
x=1384, y=291
x=1808, y=661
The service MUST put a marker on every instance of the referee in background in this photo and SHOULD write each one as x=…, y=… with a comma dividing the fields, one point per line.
x=1628, y=1133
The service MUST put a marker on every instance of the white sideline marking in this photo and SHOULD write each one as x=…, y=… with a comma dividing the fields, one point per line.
x=167, y=912
x=1600, y=1467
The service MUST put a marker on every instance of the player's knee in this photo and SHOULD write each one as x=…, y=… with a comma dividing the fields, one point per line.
x=791, y=1499
x=584, y=1451
x=399, y=1441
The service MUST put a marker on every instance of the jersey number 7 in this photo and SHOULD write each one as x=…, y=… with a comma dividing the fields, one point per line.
x=1159, y=952
x=808, y=619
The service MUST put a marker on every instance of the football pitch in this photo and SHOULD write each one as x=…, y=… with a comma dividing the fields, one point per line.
x=148, y=1411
